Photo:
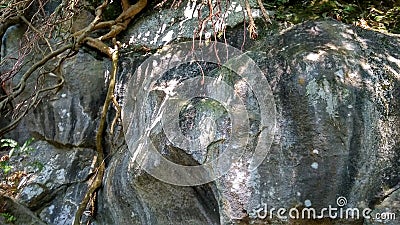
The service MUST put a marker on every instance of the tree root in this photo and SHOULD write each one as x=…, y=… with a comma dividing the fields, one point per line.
x=117, y=115
x=22, y=84
x=116, y=26
x=98, y=178
x=264, y=11
x=252, y=26
x=80, y=38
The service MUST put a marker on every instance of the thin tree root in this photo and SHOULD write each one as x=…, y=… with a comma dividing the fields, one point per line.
x=116, y=26
x=252, y=26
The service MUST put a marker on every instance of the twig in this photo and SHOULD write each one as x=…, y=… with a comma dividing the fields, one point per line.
x=38, y=32
x=15, y=121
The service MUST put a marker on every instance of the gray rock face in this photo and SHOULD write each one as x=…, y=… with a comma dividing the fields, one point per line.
x=133, y=197
x=337, y=95
x=70, y=117
x=182, y=23
x=388, y=209
x=56, y=181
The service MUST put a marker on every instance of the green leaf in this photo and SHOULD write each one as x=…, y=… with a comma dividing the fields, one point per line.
x=8, y=217
x=25, y=148
x=8, y=143
x=5, y=167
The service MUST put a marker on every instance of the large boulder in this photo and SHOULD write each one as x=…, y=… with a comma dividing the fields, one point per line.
x=337, y=95
x=336, y=90
x=70, y=117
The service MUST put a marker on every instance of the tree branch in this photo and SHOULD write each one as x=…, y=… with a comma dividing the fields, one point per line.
x=264, y=11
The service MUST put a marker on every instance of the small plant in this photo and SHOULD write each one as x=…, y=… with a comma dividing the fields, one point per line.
x=5, y=165
x=14, y=149
x=24, y=149
x=10, y=178
x=8, y=217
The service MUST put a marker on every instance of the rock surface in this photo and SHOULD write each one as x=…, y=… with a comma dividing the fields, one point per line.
x=337, y=95
x=56, y=181
x=70, y=117
x=182, y=23
x=388, y=209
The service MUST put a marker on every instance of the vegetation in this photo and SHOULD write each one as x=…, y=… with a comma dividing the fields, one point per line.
x=11, y=174
x=8, y=217
x=371, y=14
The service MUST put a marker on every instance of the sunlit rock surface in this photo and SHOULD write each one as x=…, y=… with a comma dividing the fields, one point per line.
x=182, y=23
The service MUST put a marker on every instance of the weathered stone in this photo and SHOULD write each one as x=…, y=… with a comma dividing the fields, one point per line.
x=338, y=135
x=21, y=213
x=70, y=116
x=55, y=188
x=133, y=197
x=387, y=211
x=338, y=124
x=62, y=208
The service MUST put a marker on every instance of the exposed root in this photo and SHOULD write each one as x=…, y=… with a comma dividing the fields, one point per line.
x=264, y=11
x=80, y=38
x=98, y=177
x=252, y=26
x=38, y=32
x=83, y=34
x=204, y=22
x=22, y=84
x=99, y=45
x=115, y=26
x=117, y=115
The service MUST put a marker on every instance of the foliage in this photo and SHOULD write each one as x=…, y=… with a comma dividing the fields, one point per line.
x=370, y=14
x=10, y=179
x=8, y=217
